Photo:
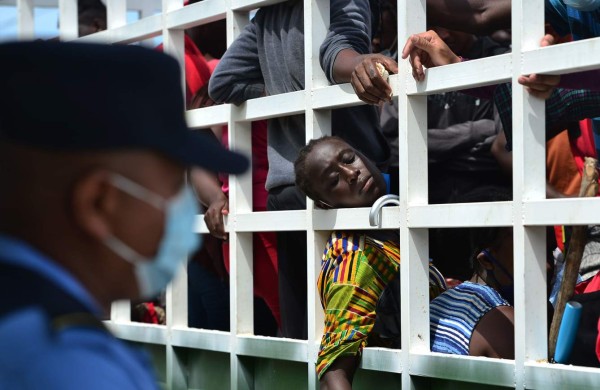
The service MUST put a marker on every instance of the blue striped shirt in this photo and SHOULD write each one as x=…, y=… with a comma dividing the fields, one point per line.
x=455, y=313
x=567, y=20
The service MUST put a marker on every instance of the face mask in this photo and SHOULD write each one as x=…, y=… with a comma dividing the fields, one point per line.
x=177, y=242
x=583, y=5
x=507, y=292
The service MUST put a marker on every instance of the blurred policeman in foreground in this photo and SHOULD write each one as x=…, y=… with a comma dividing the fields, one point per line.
x=93, y=205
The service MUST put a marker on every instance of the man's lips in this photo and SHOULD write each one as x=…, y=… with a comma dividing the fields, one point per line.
x=368, y=184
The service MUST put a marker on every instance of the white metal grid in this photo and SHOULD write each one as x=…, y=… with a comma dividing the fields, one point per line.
x=527, y=213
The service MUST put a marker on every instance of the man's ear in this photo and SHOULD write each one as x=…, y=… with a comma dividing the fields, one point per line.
x=322, y=205
x=94, y=202
x=484, y=262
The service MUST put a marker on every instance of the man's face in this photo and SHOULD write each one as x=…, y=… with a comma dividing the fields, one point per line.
x=343, y=177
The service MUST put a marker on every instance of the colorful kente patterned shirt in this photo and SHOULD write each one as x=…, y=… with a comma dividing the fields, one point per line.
x=355, y=270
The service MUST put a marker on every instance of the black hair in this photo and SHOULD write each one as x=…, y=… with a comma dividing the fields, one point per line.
x=303, y=181
x=89, y=10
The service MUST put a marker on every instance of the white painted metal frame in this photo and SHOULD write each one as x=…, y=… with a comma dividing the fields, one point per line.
x=528, y=213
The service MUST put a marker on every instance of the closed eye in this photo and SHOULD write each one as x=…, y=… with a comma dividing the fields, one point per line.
x=349, y=158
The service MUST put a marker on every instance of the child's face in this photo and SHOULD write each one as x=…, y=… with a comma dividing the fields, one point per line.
x=342, y=177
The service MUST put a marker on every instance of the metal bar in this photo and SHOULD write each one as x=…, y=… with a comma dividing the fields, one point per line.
x=68, y=19
x=25, y=20
x=272, y=348
x=468, y=74
x=465, y=215
x=570, y=211
x=139, y=332
x=529, y=183
x=318, y=124
x=563, y=58
x=209, y=340
x=208, y=116
x=559, y=376
x=196, y=14
x=497, y=372
x=382, y=359
x=414, y=299
x=140, y=30
x=116, y=13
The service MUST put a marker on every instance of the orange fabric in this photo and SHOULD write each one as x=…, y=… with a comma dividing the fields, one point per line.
x=561, y=170
x=564, y=163
x=562, y=173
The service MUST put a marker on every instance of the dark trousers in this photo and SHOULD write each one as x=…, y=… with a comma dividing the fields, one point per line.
x=208, y=298
x=291, y=253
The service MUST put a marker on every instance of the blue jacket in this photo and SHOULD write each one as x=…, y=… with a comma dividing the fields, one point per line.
x=38, y=354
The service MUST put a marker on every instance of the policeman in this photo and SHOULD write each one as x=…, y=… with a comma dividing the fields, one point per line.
x=93, y=205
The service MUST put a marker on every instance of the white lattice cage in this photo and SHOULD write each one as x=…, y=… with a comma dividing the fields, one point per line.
x=195, y=358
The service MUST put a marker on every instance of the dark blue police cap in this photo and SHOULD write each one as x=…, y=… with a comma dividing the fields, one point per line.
x=78, y=97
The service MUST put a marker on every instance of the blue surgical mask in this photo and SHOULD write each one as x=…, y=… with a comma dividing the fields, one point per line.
x=178, y=240
x=506, y=291
x=583, y=5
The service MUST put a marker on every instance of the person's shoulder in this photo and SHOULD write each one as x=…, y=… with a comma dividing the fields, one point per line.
x=493, y=334
x=34, y=354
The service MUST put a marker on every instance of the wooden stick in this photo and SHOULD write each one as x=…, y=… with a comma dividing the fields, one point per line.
x=589, y=188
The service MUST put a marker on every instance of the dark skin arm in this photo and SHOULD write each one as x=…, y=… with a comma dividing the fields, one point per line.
x=494, y=335
x=208, y=189
x=473, y=16
x=340, y=374
x=429, y=50
x=361, y=71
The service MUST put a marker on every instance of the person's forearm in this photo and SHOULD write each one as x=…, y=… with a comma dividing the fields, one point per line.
x=473, y=16
x=207, y=186
x=503, y=156
x=443, y=143
x=344, y=65
x=349, y=29
x=238, y=75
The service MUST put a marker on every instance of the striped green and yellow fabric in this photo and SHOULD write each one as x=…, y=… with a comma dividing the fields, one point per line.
x=355, y=270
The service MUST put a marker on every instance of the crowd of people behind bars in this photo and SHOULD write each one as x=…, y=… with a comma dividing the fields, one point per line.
x=469, y=143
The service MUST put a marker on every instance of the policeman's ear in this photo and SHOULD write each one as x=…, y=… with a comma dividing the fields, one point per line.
x=94, y=203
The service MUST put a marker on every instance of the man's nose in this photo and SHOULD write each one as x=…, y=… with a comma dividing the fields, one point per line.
x=350, y=174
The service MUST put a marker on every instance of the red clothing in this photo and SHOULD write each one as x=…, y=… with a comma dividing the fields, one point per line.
x=584, y=145
x=264, y=243
x=260, y=165
x=197, y=71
